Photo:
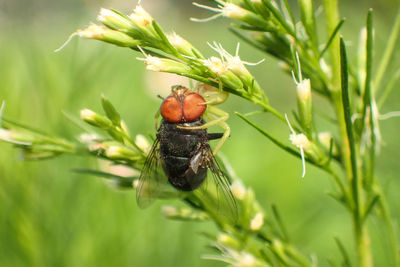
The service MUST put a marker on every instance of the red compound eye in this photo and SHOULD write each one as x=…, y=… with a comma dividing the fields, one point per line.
x=193, y=106
x=171, y=109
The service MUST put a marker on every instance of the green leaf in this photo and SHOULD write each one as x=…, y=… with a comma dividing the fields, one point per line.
x=78, y=122
x=334, y=33
x=165, y=40
x=290, y=13
x=275, y=140
x=124, y=182
x=252, y=28
x=349, y=125
x=279, y=220
x=367, y=98
x=370, y=205
x=280, y=18
x=22, y=125
x=388, y=54
x=110, y=111
x=343, y=252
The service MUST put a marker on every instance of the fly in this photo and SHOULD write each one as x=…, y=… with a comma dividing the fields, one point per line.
x=182, y=151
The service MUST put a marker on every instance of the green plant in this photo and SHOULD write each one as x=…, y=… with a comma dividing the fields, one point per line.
x=349, y=159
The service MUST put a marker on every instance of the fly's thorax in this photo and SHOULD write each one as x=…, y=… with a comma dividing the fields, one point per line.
x=180, y=142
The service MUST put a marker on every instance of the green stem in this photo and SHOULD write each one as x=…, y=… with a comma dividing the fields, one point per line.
x=360, y=230
x=332, y=20
x=388, y=53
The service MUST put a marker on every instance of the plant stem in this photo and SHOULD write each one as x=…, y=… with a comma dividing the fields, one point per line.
x=360, y=230
x=332, y=20
x=388, y=53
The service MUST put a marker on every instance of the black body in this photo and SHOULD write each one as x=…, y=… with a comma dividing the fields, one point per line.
x=184, y=153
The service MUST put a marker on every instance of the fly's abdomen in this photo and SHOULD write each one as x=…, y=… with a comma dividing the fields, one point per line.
x=177, y=149
x=181, y=175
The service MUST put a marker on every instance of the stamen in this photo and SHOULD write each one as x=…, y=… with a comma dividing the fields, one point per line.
x=206, y=19
x=389, y=115
x=66, y=42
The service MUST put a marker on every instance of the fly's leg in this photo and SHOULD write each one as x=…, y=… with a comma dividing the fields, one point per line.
x=226, y=134
x=217, y=117
x=156, y=119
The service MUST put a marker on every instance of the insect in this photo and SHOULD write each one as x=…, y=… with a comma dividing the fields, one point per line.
x=181, y=149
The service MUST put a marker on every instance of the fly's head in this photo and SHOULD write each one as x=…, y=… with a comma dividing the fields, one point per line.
x=182, y=105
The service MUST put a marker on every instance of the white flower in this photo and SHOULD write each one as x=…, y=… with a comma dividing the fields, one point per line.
x=257, y=222
x=154, y=63
x=304, y=90
x=224, y=9
x=216, y=65
x=234, y=63
x=232, y=11
x=300, y=141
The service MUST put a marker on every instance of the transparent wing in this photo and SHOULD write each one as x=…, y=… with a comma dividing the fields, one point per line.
x=216, y=192
x=151, y=177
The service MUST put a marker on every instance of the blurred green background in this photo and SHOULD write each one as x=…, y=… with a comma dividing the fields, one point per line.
x=50, y=216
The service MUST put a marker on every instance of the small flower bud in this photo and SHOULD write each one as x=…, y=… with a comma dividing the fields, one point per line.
x=211, y=94
x=120, y=152
x=88, y=138
x=5, y=134
x=17, y=137
x=169, y=211
x=135, y=183
x=187, y=214
x=233, y=11
x=142, y=143
x=238, y=189
x=114, y=21
x=304, y=105
x=143, y=21
x=94, y=119
x=245, y=259
x=183, y=46
x=278, y=247
x=101, y=33
x=228, y=240
x=165, y=65
x=257, y=222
